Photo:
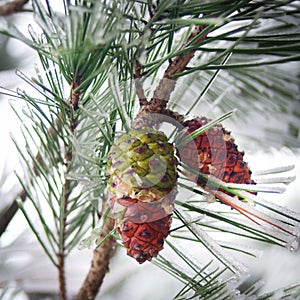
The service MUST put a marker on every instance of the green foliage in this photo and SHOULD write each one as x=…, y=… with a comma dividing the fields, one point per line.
x=45, y=130
x=91, y=52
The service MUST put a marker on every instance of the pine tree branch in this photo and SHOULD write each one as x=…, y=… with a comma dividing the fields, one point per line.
x=167, y=84
x=8, y=214
x=161, y=95
x=138, y=84
x=12, y=7
x=100, y=263
x=138, y=74
x=62, y=238
x=67, y=189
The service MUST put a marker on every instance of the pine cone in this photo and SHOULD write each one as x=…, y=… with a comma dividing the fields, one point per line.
x=144, y=240
x=142, y=175
x=213, y=152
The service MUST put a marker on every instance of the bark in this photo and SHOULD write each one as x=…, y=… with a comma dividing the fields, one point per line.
x=99, y=265
x=155, y=111
x=12, y=7
x=167, y=84
x=67, y=189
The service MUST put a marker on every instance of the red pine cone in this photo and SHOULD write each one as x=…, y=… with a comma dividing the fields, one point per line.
x=143, y=241
x=214, y=152
x=146, y=225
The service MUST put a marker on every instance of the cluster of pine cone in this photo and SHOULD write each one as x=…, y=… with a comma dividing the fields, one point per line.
x=142, y=175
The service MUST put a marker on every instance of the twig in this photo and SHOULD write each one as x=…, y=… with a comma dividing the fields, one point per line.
x=8, y=214
x=137, y=71
x=158, y=103
x=99, y=265
x=67, y=189
x=138, y=85
x=62, y=238
x=12, y=7
x=166, y=86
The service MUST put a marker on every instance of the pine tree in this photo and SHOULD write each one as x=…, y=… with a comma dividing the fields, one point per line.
x=111, y=77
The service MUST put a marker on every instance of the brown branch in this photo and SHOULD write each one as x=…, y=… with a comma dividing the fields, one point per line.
x=62, y=238
x=158, y=103
x=138, y=85
x=99, y=265
x=7, y=215
x=138, y=67
x=12, y=7
x=67, y=188
x=166, y=86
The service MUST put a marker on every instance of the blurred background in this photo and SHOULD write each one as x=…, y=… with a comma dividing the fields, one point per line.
x=26, y=273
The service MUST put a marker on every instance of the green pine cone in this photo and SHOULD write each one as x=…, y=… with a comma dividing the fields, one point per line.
x=142, y=165
x=142, y=176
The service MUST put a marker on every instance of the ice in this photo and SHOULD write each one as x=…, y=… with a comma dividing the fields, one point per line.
x=283, y=179
x=179, y=268
x=293, y=246
x=4, y=25
x=253, y=211
x=188, y=256
x=87, y=242
x=118, y=97
x=256, y=188
x=270, y=231
x=226, y=293
x=279, y=294
x=7, y=92
x=255, y=287
x=285, y=214
x=232, y=263
x=280, y=169
x=240, y=247
x=227, y=260
x=13, y=31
